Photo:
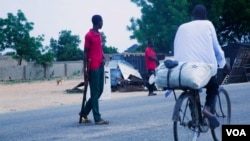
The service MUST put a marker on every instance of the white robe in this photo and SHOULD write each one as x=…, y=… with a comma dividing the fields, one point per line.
x=196, y=41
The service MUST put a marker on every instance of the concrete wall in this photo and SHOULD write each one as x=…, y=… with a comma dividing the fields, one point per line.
x=30, y=70
x=10, y=70
x=11, y=73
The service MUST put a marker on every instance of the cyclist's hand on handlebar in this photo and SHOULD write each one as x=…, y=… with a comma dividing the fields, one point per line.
x=227, y=68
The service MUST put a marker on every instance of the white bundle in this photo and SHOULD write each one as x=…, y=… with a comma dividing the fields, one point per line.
x=193, y=75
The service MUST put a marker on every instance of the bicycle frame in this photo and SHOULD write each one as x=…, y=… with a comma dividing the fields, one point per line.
x=197, y=106
x=198, y=124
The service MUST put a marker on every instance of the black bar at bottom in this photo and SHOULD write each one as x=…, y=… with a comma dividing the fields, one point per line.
x=235, y=132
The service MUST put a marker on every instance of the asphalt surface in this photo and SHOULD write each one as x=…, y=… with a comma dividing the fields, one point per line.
x=140, y=118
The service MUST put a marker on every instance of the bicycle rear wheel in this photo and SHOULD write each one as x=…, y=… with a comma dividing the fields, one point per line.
x=183, y=127
x=222, y=112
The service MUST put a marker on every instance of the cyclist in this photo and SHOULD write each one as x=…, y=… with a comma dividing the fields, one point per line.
x=196, y=41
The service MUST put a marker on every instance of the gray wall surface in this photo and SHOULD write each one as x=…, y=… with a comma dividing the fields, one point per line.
x=12, y=71
x=29, y=70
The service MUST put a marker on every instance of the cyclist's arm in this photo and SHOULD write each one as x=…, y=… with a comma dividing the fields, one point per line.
x=219, y=53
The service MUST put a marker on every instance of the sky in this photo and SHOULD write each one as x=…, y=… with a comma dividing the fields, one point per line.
x=52, y=16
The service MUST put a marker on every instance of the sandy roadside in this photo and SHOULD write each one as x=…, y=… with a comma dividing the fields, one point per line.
x=34, y=95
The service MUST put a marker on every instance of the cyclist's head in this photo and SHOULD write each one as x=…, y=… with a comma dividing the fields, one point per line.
x=199, y=12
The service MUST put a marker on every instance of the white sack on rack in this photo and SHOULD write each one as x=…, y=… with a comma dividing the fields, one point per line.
x=193, y=75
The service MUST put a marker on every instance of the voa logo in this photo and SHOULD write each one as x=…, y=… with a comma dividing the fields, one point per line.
x=236, y=132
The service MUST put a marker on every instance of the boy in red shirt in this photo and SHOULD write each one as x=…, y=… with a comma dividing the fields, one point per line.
x=93, y=59
x=151, y=64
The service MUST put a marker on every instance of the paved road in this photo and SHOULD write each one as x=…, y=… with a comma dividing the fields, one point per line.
x=140, y=118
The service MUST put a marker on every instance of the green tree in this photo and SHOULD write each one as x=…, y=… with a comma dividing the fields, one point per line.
x=214, y=8
x=231, y=19
x=45, y=58
x=159, y=21
x=66, y=47
x=15, y=34
x=234, y=25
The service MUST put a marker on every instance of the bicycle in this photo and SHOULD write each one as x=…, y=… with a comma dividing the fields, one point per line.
x=188, y=119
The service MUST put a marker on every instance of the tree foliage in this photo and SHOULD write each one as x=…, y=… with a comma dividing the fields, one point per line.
x=66, y=47
x=46, y=57
x=234, y=25
x=160, y=20
x=15, y=34
x=231, y=19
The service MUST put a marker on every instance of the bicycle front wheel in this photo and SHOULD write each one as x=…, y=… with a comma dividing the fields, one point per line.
x=222, y=112
x=183, y=127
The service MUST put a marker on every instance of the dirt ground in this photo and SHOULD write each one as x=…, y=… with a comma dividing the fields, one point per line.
x=40, y=94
